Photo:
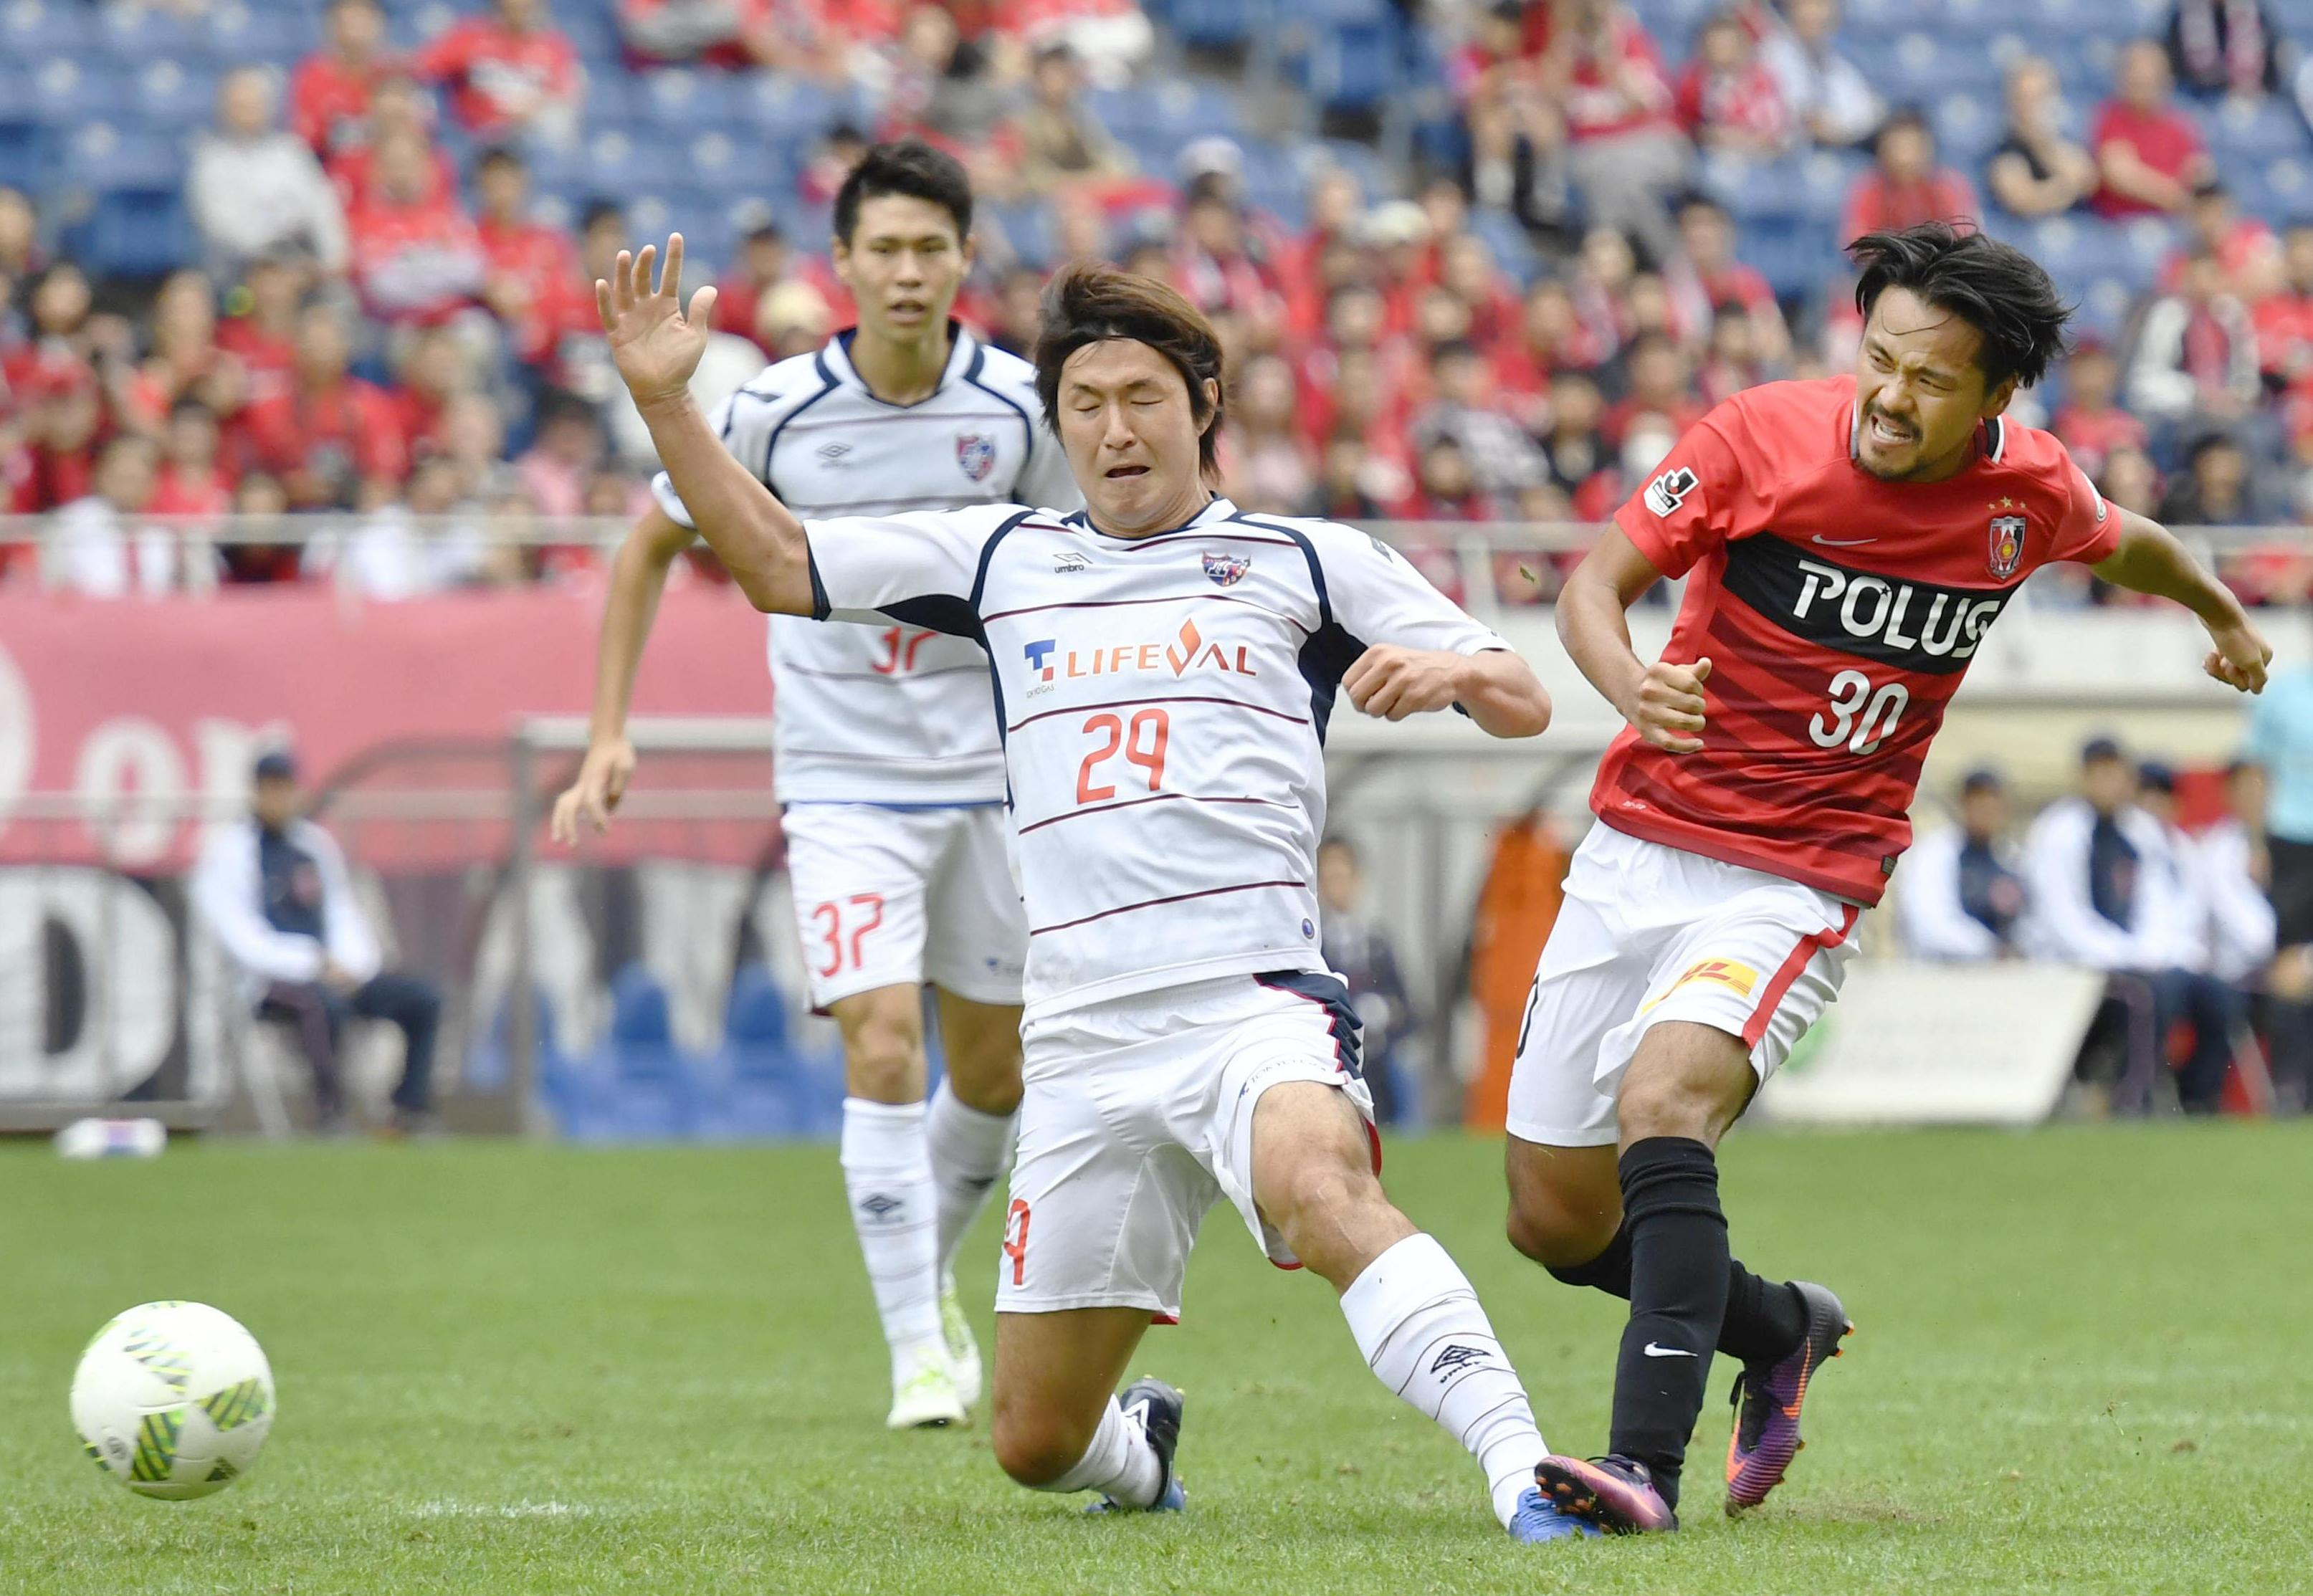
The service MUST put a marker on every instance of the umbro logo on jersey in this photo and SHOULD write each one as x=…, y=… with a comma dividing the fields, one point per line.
x=976, y=454
x=832, y=450
x=1187, y=650
x=1068, y=564
x=1227, y=570
x=1454, y=1357
x=1668, y=491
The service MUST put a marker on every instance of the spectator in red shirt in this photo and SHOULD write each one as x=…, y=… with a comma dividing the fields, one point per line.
x=193, y=479
x=735, y=33
x=1465, y=265
x=2284, y=318
x=509, y=73
x=564, y=456
x=333, y=440
x=184, y=360
x=2149, y=152
x=2245, y=246
x=1445, y=488
x=261, y=335
x=53, y=384
x=1661, y=385
x=329, y=93
x=400, y=104
x=1215, y=261
x=1727, y=98
x=2091, y=423
x=765, y=261
x=1704, y=277
x=434, y=371
x=1904, y=186
x=533, y=283
x=1624, y=150
x=1733, y=361
x=415, y=258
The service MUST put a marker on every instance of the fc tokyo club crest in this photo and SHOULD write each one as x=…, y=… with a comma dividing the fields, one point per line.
x=1227, y=570
x=2007, y=550
x=976, y=454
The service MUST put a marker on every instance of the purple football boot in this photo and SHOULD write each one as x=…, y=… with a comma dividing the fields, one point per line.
x=1767, y=1398
x=1616, y=1494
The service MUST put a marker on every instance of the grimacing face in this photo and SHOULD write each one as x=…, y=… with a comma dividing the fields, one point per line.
x=903, y=264
x=1919, y=391
x=1132, y=437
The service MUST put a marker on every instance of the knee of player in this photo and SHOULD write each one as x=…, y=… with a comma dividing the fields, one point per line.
x=882, y=1058
x=1669, y=1107
x=1034, y=1449
x=1554, y=1235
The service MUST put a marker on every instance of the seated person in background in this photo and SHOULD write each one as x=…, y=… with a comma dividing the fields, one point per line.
x=1358, y=951
x=2109, y=889
x=1730, y=100
x=1828, y=92
x=274, y=892
x=1961, y=896
x=2091, y=423
x=2196, y=351
x=2235, y=877
x=2148, y=154
x=2217, y=489
x=2037, y=171
x=1905, y=185
x=2222, y=47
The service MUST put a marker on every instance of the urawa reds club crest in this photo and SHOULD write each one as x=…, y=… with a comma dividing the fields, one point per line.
x=2007, y=550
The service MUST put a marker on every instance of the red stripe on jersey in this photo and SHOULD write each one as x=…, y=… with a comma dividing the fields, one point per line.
x=1789, y=971
x=1102, y=808
x=1138, y=703
x=1193, y=598
x=1126, y=908
x=1783, y=847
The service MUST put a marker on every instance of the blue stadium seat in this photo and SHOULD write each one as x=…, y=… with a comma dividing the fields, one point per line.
x=490, y=1063
x=134, y=233
x=638, y=1086
x=133, y=34
x=173, y=97
x=1505, y=235
x=102, y=158
x=31, y=29
x=723, y=164
x=1220, y=24
x=2242, y=132
x=63, y=89
x=26, y=156
x=1027, y=228
x=688, y=101
x=1968, y=128
x=797, y=110
x=761, y=1084
x=277, y=34
x=1355, y=68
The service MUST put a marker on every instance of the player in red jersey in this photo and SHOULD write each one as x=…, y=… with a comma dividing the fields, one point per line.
x=1848, y=543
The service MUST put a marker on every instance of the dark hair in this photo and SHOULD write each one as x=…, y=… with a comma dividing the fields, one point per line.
x=499, y=155
x=187, y=405
x=1091, y=302
x=1903, y=116
x=908, y=167
x=1994, y=288
x=1453, y=349
x=599, y=211
x=1984, y=778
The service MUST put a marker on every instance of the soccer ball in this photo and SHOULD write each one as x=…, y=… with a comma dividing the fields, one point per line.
x=173, y=1399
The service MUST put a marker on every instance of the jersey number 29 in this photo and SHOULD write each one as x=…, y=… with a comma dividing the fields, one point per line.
x=1862, y=718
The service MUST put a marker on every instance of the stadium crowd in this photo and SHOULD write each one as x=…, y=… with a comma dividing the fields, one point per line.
x=1511, y=325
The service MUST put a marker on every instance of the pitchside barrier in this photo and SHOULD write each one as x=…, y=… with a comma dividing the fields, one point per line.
x=436, y=730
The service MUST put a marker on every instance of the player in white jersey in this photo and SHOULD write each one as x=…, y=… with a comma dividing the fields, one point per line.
x=885, y=751
x=1165, y=667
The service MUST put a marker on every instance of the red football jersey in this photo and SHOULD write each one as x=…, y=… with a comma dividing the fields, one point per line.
x=1838, y=613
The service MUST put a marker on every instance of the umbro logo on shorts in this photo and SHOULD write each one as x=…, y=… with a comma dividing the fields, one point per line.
x=1454, y=1357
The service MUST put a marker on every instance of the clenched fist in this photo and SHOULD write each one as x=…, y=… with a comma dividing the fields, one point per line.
x=1668, y=707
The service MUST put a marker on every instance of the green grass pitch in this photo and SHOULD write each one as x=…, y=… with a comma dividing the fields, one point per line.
x=2082, y=1366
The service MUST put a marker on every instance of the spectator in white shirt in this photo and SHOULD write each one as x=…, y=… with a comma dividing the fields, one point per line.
x=1962, y=894
x=2233, y=875
x=255, y=188
x=274, y=892
x=1828, y=92
x=2109, y=889
x=96, y=546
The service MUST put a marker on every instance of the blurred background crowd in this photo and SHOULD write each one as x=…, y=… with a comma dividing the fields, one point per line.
x=1473, y=263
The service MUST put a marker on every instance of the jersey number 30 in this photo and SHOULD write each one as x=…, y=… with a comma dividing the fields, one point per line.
x=1861, y=718
x=1141, y=743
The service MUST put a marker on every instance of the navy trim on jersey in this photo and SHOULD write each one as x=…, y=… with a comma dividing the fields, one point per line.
x=1027, y=427
x=1332, y=649
x=828, y=384
x=956, y=337
x=995, y=676
x=1998, y=427
x=819, y=607
x=1331, y=994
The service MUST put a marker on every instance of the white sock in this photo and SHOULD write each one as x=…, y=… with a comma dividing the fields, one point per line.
x=1119, y=1463
x=1424, y=1336
x=887, y=1173
x=969, y=1152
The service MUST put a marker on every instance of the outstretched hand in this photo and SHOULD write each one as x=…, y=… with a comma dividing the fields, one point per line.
x=655, y=346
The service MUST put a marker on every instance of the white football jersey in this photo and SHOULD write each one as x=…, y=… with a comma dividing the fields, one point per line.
x=887, y=713
x=1164, y=702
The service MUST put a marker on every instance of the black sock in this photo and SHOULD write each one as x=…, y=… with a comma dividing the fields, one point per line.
x=1678, y=1300
x=1764, y=1317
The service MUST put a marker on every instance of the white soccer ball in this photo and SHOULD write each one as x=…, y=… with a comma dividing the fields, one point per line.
x=173, y=1399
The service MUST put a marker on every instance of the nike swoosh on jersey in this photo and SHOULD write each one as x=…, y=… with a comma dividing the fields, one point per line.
x=1654, y=1351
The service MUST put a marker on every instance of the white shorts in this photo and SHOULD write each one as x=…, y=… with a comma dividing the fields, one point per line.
x=1648, y=934
x=898, y=897
x=1139, y=1118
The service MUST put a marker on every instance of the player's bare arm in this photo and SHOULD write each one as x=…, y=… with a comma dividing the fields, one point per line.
x=1498, y=689
x=2150, y=560
x=637, y=579
x=1664, y=701
x=656, y=346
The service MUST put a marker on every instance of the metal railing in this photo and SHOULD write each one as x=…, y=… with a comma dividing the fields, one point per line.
x=391, y=555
